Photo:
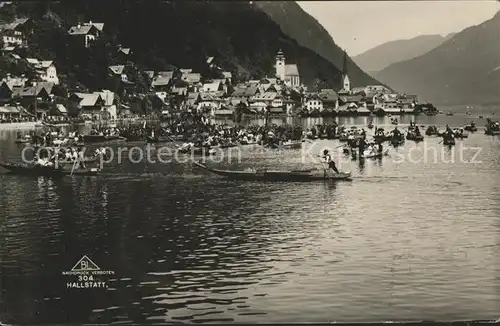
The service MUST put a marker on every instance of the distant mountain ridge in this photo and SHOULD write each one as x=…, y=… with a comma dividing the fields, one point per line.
x=463, y=70
x=308, y=32
x=382, y=56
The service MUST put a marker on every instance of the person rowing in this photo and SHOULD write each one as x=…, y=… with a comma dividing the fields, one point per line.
x=328, y=159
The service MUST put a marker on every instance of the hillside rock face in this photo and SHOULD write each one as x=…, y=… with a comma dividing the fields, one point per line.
x=463, y=70
x=239, y=35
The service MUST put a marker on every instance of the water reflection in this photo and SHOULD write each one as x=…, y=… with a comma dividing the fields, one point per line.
x=189, y=246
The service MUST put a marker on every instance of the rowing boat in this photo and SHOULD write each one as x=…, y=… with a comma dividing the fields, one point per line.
x=89, y=159
x=377, y=155
x=269, y=175
x=101, y=138
x=292, y=145
x=21, y=169
x=150, y=139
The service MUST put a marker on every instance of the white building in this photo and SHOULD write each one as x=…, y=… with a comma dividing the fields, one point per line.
x=89, y=32
x=48, y=72
x=314, y=103
x=287, y=73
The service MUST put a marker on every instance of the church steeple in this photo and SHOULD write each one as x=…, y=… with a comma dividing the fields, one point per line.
x=346, y=83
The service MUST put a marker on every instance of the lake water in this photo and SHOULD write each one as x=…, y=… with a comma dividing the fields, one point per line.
x=413, y=237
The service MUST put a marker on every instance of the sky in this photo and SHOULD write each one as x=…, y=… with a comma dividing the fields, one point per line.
x=358, y=26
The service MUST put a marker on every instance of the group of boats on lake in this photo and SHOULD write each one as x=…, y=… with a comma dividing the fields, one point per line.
x=203, y=139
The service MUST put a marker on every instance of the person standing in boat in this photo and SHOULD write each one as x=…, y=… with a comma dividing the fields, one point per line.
x=328, y=159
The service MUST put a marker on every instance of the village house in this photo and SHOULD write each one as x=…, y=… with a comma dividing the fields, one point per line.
x=8, y=85
x=214, y=86
x=243, y=94
x=89, y=104
x=209, y=103
x=14, y=34
x=96, y=105
x=290, y=106
x=329, y=98
x=179, y=91
x=118, y=71
x=150, y=74
x=46, y=70
x=288, y=73
x=10, y=112
x=313, y=102
x=161, y=83
x=228, y=76
x=86, y=33
x=192, y=100
x=372, y=90
x=37, y=97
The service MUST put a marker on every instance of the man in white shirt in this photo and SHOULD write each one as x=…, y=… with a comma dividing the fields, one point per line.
x=329, y=161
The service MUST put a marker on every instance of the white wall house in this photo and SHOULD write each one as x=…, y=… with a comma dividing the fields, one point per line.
x=314, y=103
x=49, y=72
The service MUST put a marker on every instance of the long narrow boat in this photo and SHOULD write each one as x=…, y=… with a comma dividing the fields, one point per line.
x=46, y=171
x=101, y=138
x=269, y=175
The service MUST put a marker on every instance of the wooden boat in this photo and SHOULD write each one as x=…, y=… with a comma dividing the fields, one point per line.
x=198, y=151
x=397, y=141
x=449, y=141
x=150, y=139
x=376, y=155
x=131, y=138
x=21, y=169
x=101, y=138
x=269, y=175
x=292, y=145
x=449, y=113
x=431, y=131
x=23, y=141
x=89, y=159
x=492, y=132
x=459, y=134
x=414, y=137
x=470, y=128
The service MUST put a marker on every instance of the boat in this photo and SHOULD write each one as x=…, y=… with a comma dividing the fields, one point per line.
x=150, y=139
x=432, y=131
x=101, y=138
x=412, y=136
x=23, y=169
x=292, y=145
x=459, y=133
x=23, y=141
x=397, y=141
x=449, y=141
x=471, y=127
x=449, y=113
x=270, y=175
x=197, y=151
x=89, y=159
x=376, y=155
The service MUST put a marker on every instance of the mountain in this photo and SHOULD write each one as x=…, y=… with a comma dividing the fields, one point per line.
x=239, y=35
x=463, y=70
x=382, y=56
x=299, y=25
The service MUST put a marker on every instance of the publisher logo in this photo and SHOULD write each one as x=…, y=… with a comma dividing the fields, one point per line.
x=86, y=275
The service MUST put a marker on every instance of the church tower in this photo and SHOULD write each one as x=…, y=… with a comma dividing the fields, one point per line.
x=346, y=83
x=280, y=65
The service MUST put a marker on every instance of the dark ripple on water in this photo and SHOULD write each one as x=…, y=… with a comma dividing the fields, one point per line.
x=400, y=242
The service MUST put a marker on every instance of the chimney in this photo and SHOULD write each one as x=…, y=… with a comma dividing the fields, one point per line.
x=78, y=26
x=90, y=22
